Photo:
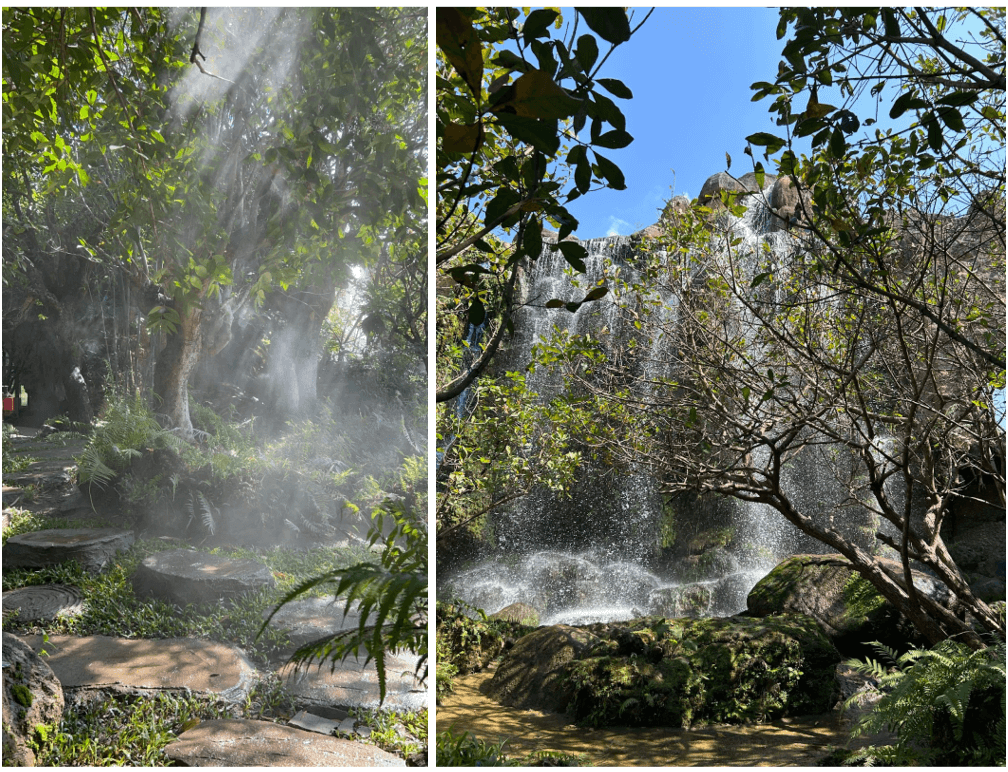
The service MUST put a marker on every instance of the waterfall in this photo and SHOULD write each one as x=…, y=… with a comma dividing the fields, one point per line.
x=597, y=555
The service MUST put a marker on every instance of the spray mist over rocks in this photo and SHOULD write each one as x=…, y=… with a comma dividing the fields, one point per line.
x=597, y=555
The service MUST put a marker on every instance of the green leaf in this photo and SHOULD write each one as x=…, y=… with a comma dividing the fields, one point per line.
x=537, y=23
x=504, y=200
x=582, y=174
x=574, y=254
x=458, y=41
x=462, y=138
x=772, y=142
x=615, y=87
x=934, y=131
x=614, y=139
x=477, y=313
x=610, y=24
x=540, y=134
x=587, y=52
x=610, y=172
x=554, y=303
x=906, y=101
x=537, y=95
x=837, y=144
x=596, y=294
x=952, y=118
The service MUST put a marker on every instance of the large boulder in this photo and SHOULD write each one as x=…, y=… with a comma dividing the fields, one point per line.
x=710, y=193
x=32, y=695
x=849, y=608
x=533, y=674
x=675, y=673
x=786, y=203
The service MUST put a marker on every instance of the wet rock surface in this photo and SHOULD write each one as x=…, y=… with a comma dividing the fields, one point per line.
x=91, y=547
x=139, y=665
x=188, y=576
x=32, y=695
x=827, y=588
x=42, y=602
x=249, y=743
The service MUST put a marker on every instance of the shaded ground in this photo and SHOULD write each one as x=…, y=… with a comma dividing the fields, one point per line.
x=787, y=742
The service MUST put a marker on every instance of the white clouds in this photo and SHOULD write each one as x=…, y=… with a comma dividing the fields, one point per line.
x=618, y=227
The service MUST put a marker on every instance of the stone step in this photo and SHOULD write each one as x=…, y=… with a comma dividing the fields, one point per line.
x=91, y=547
x=43, y=602
x=130, y=665
x=249, y=743
x=186, y=576
x=355, y=685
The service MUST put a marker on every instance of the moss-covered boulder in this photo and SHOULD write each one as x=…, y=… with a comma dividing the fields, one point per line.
x=533, y=673
x=677, y=673
x=829, y=589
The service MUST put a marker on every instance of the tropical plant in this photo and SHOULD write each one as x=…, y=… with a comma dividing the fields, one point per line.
x=390, y=597
x=946, y=706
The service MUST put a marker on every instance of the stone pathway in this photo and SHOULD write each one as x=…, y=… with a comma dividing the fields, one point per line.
x=101, y=663
x=139, y=665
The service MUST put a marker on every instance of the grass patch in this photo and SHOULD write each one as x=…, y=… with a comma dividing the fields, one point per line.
x=124, y=730
x=402, y=733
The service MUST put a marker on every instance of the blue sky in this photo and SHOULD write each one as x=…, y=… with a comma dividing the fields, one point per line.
x=690, y=70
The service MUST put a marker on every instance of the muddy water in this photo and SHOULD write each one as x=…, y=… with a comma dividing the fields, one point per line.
x=787, y=742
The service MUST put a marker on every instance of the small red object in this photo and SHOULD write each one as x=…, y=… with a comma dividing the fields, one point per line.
x=8, y=404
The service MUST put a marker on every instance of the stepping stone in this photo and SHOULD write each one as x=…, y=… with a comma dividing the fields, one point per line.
x=187, y=576
x=91, y=547
x=248, y=743
x=352, y=685
x=129, y=665
x=309, y=620
x=312, y=723
x=43, y=602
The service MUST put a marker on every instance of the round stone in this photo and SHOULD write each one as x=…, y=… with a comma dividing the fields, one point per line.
x=42, y=602
x=187, y=576
x=91, y=547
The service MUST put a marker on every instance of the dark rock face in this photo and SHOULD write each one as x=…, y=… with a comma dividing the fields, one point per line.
x=676, y=673
x=91, y=547
x=827, y=588
x=187, y=576
x=32, y=695
x=533, y=673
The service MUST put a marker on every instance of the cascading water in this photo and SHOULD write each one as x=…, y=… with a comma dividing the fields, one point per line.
x=596, y=555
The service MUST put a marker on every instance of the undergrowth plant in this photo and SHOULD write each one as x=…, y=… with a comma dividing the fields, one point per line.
x=946, y=705
x=128, y=426
x=391, y=597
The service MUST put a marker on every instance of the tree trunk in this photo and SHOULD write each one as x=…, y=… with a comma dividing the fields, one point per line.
x=176, y=363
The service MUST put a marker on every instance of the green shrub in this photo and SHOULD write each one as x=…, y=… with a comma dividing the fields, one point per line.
x=946, y=705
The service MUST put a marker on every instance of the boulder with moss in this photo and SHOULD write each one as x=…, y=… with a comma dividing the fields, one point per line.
x=675, y=673
x=32, y=698
x=849, y=608
x=533, y=674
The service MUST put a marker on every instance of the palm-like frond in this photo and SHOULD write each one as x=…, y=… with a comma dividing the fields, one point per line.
x=391, y=597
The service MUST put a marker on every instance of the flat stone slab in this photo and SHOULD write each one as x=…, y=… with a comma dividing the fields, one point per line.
x=248, y=743
x=43, y=602
x=187, y=576
x=353, y=685
x=91, y=547
x=101, y=662
x=311, y=619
